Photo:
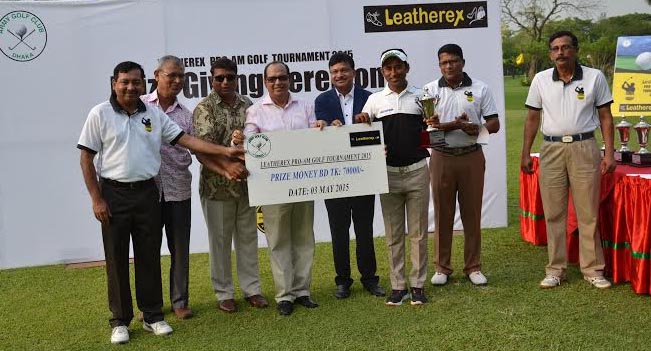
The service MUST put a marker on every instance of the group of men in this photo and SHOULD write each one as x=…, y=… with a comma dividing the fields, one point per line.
x=140, y=181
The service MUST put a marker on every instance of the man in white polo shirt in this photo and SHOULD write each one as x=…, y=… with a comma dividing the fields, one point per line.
x=408, y=176
x=126, y=135
x=574, y=100
x=457, y=169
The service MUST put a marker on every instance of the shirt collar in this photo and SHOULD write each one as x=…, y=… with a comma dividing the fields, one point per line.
x=266, y=100
x=218, y=99
x=153, y=99
x=118, y=109
x=388, y=91
x=465, y=82
x=351, y=93
x=578, y=74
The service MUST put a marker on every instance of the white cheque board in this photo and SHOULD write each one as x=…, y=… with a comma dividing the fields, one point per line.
x=312, y=164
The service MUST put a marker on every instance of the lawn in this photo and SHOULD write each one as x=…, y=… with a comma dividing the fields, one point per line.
x=54, y=308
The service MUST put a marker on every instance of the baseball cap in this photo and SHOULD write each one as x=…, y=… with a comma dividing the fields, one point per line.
x=393, y=53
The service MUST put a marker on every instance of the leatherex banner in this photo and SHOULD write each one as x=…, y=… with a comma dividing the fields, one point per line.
x=442, y=15
x=57, y=59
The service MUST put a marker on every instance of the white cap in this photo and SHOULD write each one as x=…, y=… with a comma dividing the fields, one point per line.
x=393, y=53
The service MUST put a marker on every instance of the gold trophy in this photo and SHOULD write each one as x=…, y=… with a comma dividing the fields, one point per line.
x=432, y=136
x=623, y=155
x=642, y=158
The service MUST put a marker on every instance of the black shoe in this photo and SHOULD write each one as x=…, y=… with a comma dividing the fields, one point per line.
x=342, y=292
x=285, y=308
x=418, y=296
x=397, y=297
x=375, y=289
x=306, y=301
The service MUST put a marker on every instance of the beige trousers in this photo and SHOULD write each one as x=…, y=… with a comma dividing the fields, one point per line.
x=576, y=166
x=229, y=222
x=407, y=192
x=290, y=235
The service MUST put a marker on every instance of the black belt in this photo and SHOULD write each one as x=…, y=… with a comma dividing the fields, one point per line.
x=570, y=138
x=458, y=151
x=129, y=185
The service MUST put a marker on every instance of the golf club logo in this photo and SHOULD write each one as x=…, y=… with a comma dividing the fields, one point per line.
x=22, y=36
x=258, y=146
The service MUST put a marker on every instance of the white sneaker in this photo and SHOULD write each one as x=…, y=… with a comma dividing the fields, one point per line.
x=550, y=281
x=598, y=282
x=158, y=328
x=120, y=335
x=477, y=278
x=439, y=278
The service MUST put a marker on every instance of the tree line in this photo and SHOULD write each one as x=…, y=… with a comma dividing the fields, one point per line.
x=527, y=25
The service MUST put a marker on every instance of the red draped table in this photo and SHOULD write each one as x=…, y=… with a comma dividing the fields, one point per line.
x=624, y=223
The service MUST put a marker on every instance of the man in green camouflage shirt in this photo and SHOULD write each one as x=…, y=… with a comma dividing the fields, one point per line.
x=225, y=203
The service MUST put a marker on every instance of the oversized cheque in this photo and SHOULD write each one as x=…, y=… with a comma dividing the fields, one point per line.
x=309, y=164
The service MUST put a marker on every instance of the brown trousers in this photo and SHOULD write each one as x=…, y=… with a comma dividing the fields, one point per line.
x=463, y=176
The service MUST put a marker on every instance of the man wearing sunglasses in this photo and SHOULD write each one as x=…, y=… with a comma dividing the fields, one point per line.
x=289, y=227
x=225, y=203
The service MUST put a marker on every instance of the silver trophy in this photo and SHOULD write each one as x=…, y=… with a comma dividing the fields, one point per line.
x=428, y=104
x=623, y=129
x=432, y=136
x=642, y=158
x=642, y=129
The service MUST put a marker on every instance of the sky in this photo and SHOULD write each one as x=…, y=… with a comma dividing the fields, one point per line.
x=623, y=7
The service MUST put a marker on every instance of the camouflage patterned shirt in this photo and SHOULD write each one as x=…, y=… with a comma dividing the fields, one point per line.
x=215, y=121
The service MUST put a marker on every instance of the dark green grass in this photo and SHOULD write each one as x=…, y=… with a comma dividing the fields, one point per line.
x=53, y=308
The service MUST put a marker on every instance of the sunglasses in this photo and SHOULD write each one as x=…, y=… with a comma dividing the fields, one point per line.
x=228, y=77
x=274, y=79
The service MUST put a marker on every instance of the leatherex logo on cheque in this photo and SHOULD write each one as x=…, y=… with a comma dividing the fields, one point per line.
x=258, y=146
x=22, y=36
x=440, y=15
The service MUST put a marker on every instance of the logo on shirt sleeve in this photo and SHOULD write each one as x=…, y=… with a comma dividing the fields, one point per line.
x=147, y=123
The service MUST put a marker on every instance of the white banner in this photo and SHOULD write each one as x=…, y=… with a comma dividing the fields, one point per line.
x=313, y=164
x=57, y=58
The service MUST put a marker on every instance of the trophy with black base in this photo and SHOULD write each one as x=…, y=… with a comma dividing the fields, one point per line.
x=431, y=137
x=642, y=158
x=623, y=155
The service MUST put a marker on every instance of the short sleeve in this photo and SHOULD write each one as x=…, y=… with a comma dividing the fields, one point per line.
x=488, y=107
x=602, y=92
x=534, y=100
x=90, y=138
x=170, y=131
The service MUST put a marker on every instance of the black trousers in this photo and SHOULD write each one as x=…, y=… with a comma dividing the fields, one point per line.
x=135, y=213
x=176, y=217
x=340, y=211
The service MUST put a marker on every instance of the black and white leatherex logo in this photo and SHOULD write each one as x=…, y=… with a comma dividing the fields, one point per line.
x=22, y=36
x=440, y=15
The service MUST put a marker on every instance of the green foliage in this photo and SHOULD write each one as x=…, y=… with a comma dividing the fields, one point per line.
x=597, y=41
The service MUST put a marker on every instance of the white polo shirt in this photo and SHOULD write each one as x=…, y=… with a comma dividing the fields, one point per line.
x=128, y=147
x=571, y=108
x=472, y=96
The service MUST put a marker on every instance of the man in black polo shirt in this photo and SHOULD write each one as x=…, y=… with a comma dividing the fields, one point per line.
x=408, y=176
x=126, y=137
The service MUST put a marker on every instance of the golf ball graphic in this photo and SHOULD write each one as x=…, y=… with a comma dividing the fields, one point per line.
x=643, y=61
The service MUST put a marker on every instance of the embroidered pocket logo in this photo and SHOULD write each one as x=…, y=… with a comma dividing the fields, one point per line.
x=147, y=123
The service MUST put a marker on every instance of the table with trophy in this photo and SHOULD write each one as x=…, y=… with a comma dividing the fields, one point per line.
x=624, y=212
